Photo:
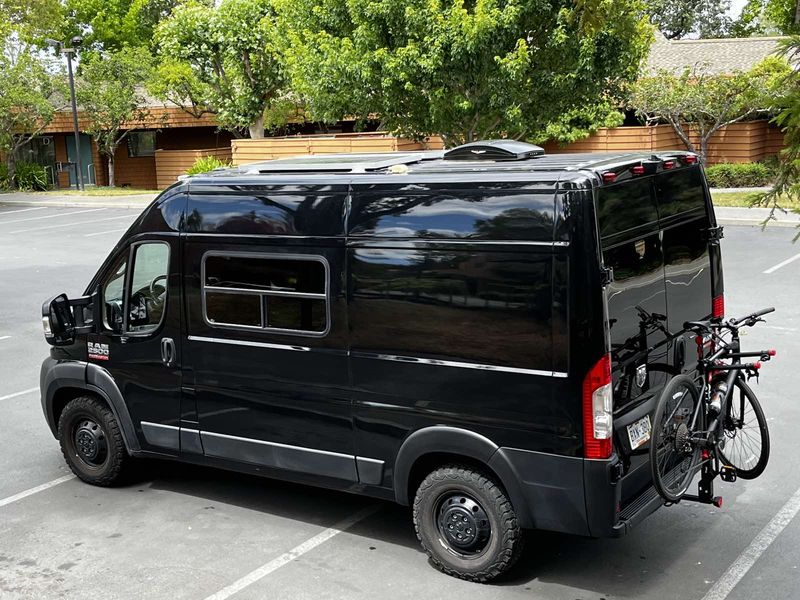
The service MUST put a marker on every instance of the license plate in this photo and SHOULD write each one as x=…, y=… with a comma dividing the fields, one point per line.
x=639, y=432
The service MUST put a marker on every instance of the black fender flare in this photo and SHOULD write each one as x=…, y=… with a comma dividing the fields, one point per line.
x=459, y=442
x=59, y=374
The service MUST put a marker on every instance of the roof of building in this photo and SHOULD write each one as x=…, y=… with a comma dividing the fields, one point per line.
x=717, y=56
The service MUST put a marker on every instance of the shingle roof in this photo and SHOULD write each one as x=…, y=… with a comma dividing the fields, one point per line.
x=717, y=55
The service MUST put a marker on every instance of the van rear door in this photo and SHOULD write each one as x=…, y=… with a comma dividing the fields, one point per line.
x=686, y=220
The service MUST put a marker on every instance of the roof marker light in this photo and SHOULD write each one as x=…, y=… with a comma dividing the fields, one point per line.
x=637, y=170
x=690, y=159
x=669, y=164
x=609, y=177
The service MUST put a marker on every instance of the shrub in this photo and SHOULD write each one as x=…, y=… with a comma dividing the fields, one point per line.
x=30, y=176
x=734, y=175
x=204, y=164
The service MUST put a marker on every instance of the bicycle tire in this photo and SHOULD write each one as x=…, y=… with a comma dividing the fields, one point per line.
x=744, y=437
x=674, y=460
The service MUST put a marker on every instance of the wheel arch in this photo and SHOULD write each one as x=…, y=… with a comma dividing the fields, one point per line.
x=61, y=381
x=431, y=447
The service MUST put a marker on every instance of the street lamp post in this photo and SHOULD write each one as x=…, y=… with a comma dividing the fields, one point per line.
x=70, y=52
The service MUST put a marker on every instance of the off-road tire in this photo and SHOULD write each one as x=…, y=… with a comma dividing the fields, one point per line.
x=506, y=539
x=112, y=468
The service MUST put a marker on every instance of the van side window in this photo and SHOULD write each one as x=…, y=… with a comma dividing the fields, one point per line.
x=625, y=206
x=680, y=191
x=113, y=290
x=148, y=291
x=270, y=293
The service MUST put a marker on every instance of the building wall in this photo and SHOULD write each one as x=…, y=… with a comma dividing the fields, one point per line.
x=170, y=164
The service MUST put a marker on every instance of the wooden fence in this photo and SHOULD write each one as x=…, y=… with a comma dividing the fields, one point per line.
x=172, y=163
x=741, y=142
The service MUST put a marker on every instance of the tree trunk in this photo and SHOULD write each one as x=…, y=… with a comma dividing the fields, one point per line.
x=11, y=163
x=111, y=170
x=703, y=148
x=257, y=128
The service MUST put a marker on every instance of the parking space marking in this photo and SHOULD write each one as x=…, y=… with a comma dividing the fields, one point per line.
x=791, y=259
x=292, y=554
x=105, y=232
x=22, y=393
x=131, y=217
x=740, y=567
x=59, y=214
x=8, y=212
x=34, y=490
x=4, y=337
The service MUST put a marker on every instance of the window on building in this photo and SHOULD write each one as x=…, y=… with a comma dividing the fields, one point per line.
x=266, y=292
x=141, y=143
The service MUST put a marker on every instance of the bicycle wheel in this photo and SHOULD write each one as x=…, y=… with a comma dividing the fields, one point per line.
x=746, y=446
x=673, y=458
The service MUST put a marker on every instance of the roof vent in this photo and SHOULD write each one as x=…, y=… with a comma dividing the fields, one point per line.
x=496, y=150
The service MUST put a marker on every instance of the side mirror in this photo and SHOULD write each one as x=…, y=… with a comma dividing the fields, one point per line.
x=58, y=321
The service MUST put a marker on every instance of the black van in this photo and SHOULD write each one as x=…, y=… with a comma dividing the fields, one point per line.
x=475, y=332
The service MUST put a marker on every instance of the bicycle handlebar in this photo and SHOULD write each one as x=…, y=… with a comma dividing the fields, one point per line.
x=753, y=316
x=748, y=320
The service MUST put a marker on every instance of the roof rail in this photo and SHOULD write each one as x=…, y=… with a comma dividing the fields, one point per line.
x=337, y=163
x=494, y=150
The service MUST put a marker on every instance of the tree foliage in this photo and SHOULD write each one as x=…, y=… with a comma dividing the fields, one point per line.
x=32, y=91
x=768, y=17
x=111, y=95
x=464, y=69
x=114, y=24
x=225, y=58
x=678, y=18
x=697, y=102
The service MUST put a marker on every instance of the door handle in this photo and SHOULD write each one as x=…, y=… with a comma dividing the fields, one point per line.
x=168, y=351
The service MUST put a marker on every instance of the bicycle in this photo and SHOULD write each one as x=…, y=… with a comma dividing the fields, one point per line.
x=699, y=425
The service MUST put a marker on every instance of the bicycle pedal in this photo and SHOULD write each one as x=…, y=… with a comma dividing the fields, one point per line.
x=727, y=473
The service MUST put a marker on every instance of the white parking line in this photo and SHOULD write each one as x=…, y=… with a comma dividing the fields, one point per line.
x=4, y=337
x=8, y=212
x=60, y=214
x=105, y=232
x=753, y=552
x=73, y=224
x=34, y=490
x=16, y=394
x=791, y=259
x=292, y=554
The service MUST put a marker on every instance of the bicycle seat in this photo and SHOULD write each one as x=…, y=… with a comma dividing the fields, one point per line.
x=692, y=325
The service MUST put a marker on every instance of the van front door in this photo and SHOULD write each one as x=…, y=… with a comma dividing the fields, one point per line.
x=139, y=339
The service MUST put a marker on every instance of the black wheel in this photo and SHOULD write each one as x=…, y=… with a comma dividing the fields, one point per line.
x=91, y=441
x=466, y=524
x=746, y=437
x=674, y=459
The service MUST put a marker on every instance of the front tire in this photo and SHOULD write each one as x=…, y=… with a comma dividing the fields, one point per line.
x=746, y=434
x=91, y=441
x=466, y=524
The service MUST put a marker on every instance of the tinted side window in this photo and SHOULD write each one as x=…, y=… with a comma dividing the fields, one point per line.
x=148, y=292
x=483, y=215
x=680, y=191
x=625, y=206
x=113, y=290
x=270, y=293
x=492, y=308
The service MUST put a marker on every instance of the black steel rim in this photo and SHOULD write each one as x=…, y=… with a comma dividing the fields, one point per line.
x=463, y=525
x=90, y=442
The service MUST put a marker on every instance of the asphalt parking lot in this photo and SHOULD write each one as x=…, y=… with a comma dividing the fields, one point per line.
x=186, y=532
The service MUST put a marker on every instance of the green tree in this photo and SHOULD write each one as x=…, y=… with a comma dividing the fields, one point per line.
x=696, y=101
x=223, y=58
x=112, y=25
x=31, y=92
x=768, y=17
x=463, y=69
x=787, y=181
x=678, y=18
x=30, y=20
x=110, y=92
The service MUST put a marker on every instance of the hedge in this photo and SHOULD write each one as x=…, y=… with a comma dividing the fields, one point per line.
x=733, y=175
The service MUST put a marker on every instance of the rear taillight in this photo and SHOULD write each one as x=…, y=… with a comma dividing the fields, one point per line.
x=718, y=306
x=597, y=410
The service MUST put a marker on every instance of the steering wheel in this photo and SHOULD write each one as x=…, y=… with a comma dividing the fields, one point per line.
x=153, y=284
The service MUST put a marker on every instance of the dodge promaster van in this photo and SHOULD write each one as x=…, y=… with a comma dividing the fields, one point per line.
x=473, y=332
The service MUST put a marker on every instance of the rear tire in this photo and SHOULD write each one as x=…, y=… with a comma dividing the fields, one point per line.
x=466, y=524
x=746, y=438
x=674, y=460
x=91, y=441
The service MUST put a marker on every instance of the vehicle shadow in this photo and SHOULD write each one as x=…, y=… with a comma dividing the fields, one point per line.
x=631, y=567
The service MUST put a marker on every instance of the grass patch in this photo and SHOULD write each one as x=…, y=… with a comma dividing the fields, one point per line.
x=745, y=199
x=101, y=191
